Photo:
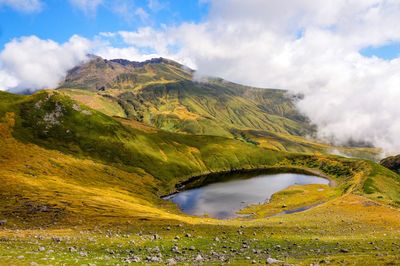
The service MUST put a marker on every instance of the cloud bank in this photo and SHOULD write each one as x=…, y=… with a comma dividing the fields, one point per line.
x=305, y=46
x=29, y=63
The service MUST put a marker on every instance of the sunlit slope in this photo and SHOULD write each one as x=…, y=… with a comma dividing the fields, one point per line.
x=162, y=93
x=60, y=159
x=166, y=95
x=54, y=121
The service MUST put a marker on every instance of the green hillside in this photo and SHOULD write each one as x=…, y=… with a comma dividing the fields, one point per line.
x=83, y=170
x=164, y=94
x=161, y=93
x=86, y=186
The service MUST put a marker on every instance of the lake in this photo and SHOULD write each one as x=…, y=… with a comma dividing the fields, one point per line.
x=222, y=199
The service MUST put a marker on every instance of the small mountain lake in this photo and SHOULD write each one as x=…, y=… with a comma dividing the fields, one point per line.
x=222, y=198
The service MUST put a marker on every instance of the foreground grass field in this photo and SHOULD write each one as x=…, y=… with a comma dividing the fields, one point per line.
x=79, y=187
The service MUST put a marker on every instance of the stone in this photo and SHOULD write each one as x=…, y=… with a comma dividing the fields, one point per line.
x=3, y=222
x=171, y=261
x=134, y=259
x=175, y=249
x=56, y=239
x=20, y=257
x=199, y=258
x=272, y=261
x=155, y=259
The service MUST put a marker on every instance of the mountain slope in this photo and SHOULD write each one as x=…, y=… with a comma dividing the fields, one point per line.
x=162, y=93
x=86, y=186
x=167, y=95
x=392, y=163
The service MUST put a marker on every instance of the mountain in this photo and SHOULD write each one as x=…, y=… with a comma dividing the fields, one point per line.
x=162, y=93
x=167, y=95
x=83, y=169
x=392, y=163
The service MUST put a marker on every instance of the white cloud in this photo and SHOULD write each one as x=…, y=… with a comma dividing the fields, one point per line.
x=306, y=46
x=89, y=7
x=27, y=6
x=32, y=63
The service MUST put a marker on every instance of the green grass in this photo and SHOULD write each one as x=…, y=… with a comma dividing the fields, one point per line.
x=72, y=172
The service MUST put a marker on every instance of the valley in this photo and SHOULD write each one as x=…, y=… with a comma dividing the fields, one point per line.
x=83, y=168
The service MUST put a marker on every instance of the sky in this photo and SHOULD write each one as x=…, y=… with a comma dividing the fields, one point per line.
x=342, y=55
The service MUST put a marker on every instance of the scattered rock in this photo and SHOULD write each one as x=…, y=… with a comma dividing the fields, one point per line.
x=155, y=259
x=83, y=254
x=343, y=250
x=171, y=261
x=134, y=259
x=33, y=264
x=72, y=249
x=192, y=248
x=188, y=235
x=3, y=222
x=216, y=239
x=41, y=249
x=199, y=258
x=272, y=261
x=56, y=239
x=175, y=249
x=20, y=257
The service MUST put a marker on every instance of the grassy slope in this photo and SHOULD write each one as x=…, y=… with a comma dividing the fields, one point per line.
x=61, y=164
x=162, y=94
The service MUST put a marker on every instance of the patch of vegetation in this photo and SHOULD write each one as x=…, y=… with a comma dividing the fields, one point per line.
x=86, y=186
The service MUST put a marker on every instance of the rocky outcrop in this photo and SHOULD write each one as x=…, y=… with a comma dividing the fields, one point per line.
x=392, y=163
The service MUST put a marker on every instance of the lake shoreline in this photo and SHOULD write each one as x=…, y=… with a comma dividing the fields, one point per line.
x=201, y=180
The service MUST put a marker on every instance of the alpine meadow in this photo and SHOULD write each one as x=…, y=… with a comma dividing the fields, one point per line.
x=199, y=133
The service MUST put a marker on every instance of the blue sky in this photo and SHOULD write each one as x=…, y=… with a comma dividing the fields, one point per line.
x=347, y=55
x=59, y=19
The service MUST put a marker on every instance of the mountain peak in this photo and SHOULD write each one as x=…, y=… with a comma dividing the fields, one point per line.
x=159, y=60
x=98, y=73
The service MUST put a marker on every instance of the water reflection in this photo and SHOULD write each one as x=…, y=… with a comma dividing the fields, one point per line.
x=223, y=199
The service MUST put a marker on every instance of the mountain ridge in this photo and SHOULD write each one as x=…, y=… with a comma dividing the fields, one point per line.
x=164, y=94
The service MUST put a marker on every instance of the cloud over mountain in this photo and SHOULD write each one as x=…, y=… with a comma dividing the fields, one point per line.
x=33, y=63
x=306, y=46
